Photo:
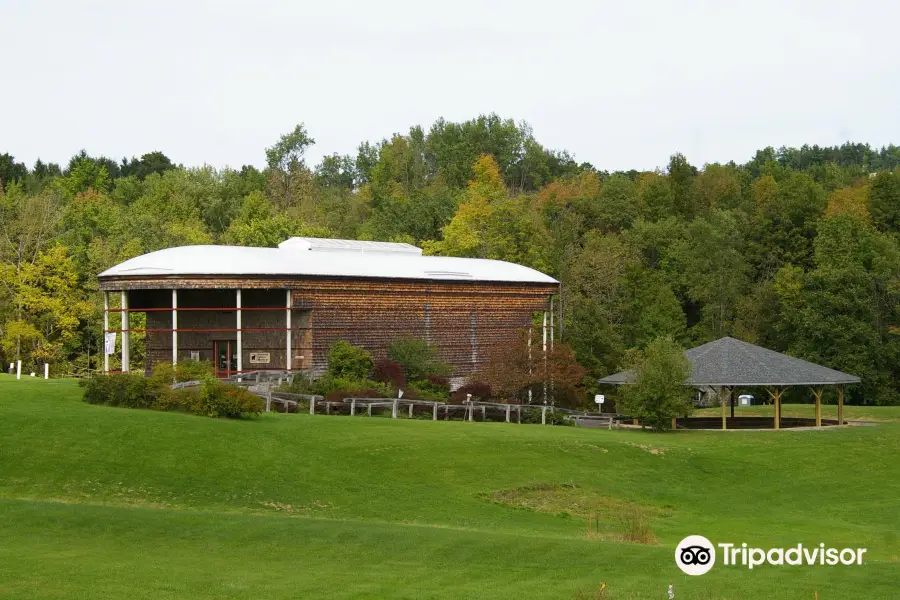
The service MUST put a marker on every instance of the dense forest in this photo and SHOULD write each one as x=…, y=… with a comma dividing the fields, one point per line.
x=798, y=249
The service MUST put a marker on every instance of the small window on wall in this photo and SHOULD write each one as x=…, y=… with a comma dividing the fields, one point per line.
x=195, y=355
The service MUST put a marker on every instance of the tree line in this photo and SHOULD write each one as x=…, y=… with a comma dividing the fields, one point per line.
x=796, y=249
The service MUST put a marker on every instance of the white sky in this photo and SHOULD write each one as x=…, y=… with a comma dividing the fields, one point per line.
x=619, y=84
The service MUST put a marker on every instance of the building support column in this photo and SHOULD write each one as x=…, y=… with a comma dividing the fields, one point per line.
x=530, y=336
x=105, y=331
x=240, y=337
x=545, y=356
x=174, y=328
x=817, y=392
x=840, y=399
x=126, y=335
x=552, y=325
x=287, y=312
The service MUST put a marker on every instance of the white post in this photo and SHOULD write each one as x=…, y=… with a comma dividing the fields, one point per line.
x=552, y=334
x=395, y=408
x=240, y=341
x=174, y=328
x=126, y=335
x=434, y=412
x=46, y=370
x=287, y=311
x=545, y=357
x=545, y=332
x=105, y=331
x=508, y=408
x=18, y=369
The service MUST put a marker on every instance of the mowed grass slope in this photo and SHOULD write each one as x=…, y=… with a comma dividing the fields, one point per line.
x=99, y=502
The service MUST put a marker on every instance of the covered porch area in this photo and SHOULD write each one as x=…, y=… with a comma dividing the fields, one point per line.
x=237, y=330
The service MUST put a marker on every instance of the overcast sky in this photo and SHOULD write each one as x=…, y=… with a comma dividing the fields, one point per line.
x=619, y=84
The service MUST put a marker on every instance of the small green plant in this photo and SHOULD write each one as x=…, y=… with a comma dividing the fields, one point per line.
x=217, y=399
x=419, y=359
x=348, y=361
x=193, y=370
x=123, y=389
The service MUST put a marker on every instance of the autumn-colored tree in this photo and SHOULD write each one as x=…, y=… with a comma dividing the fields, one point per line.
x=512, y=369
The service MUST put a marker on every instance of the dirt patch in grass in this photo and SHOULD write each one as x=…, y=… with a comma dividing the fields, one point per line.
x=605, y=517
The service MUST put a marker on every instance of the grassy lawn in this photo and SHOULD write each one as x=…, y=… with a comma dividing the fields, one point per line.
x=100, y=502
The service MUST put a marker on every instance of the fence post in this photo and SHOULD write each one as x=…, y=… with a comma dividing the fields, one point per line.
x=312, y=405
x=434, y=412
x=395, y=409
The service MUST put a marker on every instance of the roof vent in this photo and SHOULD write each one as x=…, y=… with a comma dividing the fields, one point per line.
x=448, y=275
x=330, y=245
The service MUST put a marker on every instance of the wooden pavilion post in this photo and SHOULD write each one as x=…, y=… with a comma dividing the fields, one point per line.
x=776, y=393
x=722, y=402
x=840, y=399
x=817, y=392
x=724, y=395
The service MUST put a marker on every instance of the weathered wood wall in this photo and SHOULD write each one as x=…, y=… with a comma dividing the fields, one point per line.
x=461, y=319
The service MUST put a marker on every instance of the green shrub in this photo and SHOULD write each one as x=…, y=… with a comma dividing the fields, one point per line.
x=186, y=370
x=217, y=399
x=213, y=398
x=423, y=390
x=417, y=357
x=193, y=370
x=300, y=384
x=553, y=418
x=432, y=388
x=122, y=389
x=348, y=361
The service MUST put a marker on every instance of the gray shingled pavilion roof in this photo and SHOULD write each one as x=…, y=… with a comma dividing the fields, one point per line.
x=731, y=362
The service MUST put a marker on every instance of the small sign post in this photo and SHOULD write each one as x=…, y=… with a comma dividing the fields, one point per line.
x=599, y=399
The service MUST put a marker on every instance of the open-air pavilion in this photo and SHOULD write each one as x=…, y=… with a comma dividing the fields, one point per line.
x=727, y=363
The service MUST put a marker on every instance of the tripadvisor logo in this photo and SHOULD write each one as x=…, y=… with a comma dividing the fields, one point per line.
x=696, y=555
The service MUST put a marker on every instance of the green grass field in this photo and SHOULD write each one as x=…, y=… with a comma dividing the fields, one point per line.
x=100, y=502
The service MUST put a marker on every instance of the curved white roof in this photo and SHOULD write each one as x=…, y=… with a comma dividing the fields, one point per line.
x=291, y=260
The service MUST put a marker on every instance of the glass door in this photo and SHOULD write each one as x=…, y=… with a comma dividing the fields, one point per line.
x=225, y=352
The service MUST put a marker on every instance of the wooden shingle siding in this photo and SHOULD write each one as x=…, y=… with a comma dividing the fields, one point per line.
x=463, y=320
